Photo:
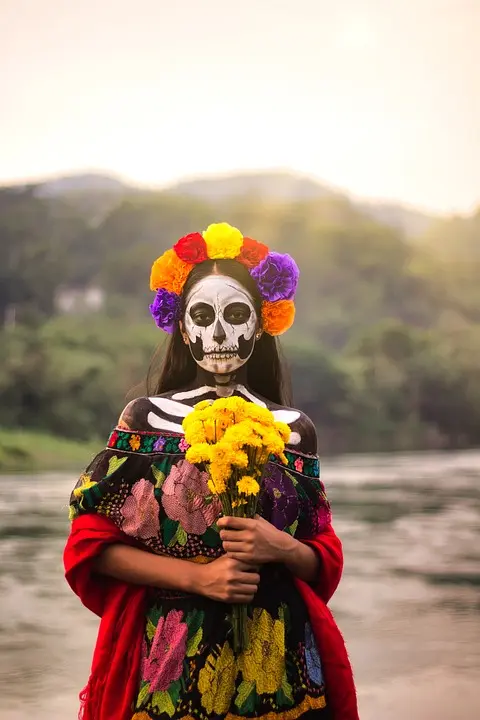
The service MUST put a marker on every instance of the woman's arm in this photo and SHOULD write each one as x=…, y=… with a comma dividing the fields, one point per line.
x=258, y=541
x=224, y=579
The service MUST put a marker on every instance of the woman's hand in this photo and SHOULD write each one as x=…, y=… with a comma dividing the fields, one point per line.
x=253, y=541
x=227, y=580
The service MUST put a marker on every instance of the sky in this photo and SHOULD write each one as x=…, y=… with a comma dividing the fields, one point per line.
x=378, y=97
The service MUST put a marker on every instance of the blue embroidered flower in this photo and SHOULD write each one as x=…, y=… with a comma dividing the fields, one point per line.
x=314, y=664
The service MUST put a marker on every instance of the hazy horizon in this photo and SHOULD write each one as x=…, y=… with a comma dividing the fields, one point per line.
x=377, y=99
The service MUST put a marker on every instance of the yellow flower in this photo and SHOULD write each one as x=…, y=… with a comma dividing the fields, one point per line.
x=242, y=434
x=223, y=241
x=260, y=414
x=198, y=453
x=195, y=432
x=203, y=404
x=264, y=661
x=134, y=442
x=247, y=485
x=235, y=404
x=216, y=681
x=219, y=473
x=283, y=430
x=216, y=487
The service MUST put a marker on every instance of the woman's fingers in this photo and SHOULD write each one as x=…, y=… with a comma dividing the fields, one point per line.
x=235, y=535
x=235, y=523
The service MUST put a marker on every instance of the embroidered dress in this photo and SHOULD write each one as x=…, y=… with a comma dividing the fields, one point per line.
x=189, y=670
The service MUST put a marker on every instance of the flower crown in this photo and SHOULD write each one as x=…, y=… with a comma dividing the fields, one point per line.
x=276, y=275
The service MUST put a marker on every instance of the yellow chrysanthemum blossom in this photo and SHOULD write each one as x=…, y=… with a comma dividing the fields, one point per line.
x=222, y=241
x=284, y=431
x=247, y=485
x=203, y=404
x=198, y=453
x=260, y=414
x=242, y=434
x=195, y=432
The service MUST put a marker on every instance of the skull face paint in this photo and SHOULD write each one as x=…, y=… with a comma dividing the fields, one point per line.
x=220, y=322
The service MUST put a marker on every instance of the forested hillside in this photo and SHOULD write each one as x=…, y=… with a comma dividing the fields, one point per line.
x=384, y=351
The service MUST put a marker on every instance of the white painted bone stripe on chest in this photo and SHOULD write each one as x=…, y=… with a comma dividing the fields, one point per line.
x=174, y=408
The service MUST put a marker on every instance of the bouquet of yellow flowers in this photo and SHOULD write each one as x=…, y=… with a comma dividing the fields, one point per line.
x=234, y=439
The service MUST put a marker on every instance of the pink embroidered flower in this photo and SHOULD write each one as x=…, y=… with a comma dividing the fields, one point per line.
x=140, y=511
x=183, y=445
x=298, y=465
x=186, y=498
x=164, y=664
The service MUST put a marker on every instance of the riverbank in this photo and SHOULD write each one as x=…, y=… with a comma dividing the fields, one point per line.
x=26, y=451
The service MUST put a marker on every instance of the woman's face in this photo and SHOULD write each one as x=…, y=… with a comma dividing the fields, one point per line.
x=220, y=322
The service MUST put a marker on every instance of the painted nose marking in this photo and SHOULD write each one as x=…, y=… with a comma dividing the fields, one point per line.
x=219, y=334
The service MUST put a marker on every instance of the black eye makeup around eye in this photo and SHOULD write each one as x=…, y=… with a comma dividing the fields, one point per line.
x=237, y=313
x=202, y=314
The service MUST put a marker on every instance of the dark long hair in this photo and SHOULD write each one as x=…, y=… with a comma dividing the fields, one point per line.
x=266, y=371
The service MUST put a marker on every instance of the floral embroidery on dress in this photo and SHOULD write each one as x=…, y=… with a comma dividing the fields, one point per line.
x=165, y=662
x=279, y=497
x=299, y=465
x=186, y=498
x=216, y=681
x=189, y=669
x=140, y=511
x=264, y=661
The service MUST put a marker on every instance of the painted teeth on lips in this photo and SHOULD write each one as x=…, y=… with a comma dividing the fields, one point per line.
x=220, y=355
x=217, y=350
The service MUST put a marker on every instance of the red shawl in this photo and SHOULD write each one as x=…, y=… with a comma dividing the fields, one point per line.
x=114, y=678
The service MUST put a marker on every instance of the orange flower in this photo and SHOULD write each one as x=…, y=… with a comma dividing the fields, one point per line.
x=278, y=316
x=134, y=442
x=169, y=272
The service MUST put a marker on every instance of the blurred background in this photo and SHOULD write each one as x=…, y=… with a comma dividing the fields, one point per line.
x=344, y=133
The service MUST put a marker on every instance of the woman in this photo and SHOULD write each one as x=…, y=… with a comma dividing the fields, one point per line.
x=149, y=551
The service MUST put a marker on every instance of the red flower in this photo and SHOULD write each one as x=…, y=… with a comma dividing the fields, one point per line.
x=252, y=252
x=191, y=248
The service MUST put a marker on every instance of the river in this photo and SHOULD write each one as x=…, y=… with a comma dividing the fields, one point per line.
x=408, y=604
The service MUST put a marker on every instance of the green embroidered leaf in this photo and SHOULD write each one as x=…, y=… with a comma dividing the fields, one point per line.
x=143, y=694
x=292, y=478
x=159, y=476
x=114, y=463
x=292, y=529
x=151, y=629
x=162, y=701
x=282, y=699
x=179, y=538
x=182, y=536
x=194, y=620
x=169, y=528
x=211, y=538
x=245, y=700
x=174, y=691
x=194, y=643
x=287, y=689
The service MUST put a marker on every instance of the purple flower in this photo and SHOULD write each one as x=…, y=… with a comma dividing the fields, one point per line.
x=276, y=277
x=165, y=310
x=279, y=498
x=159, y=444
